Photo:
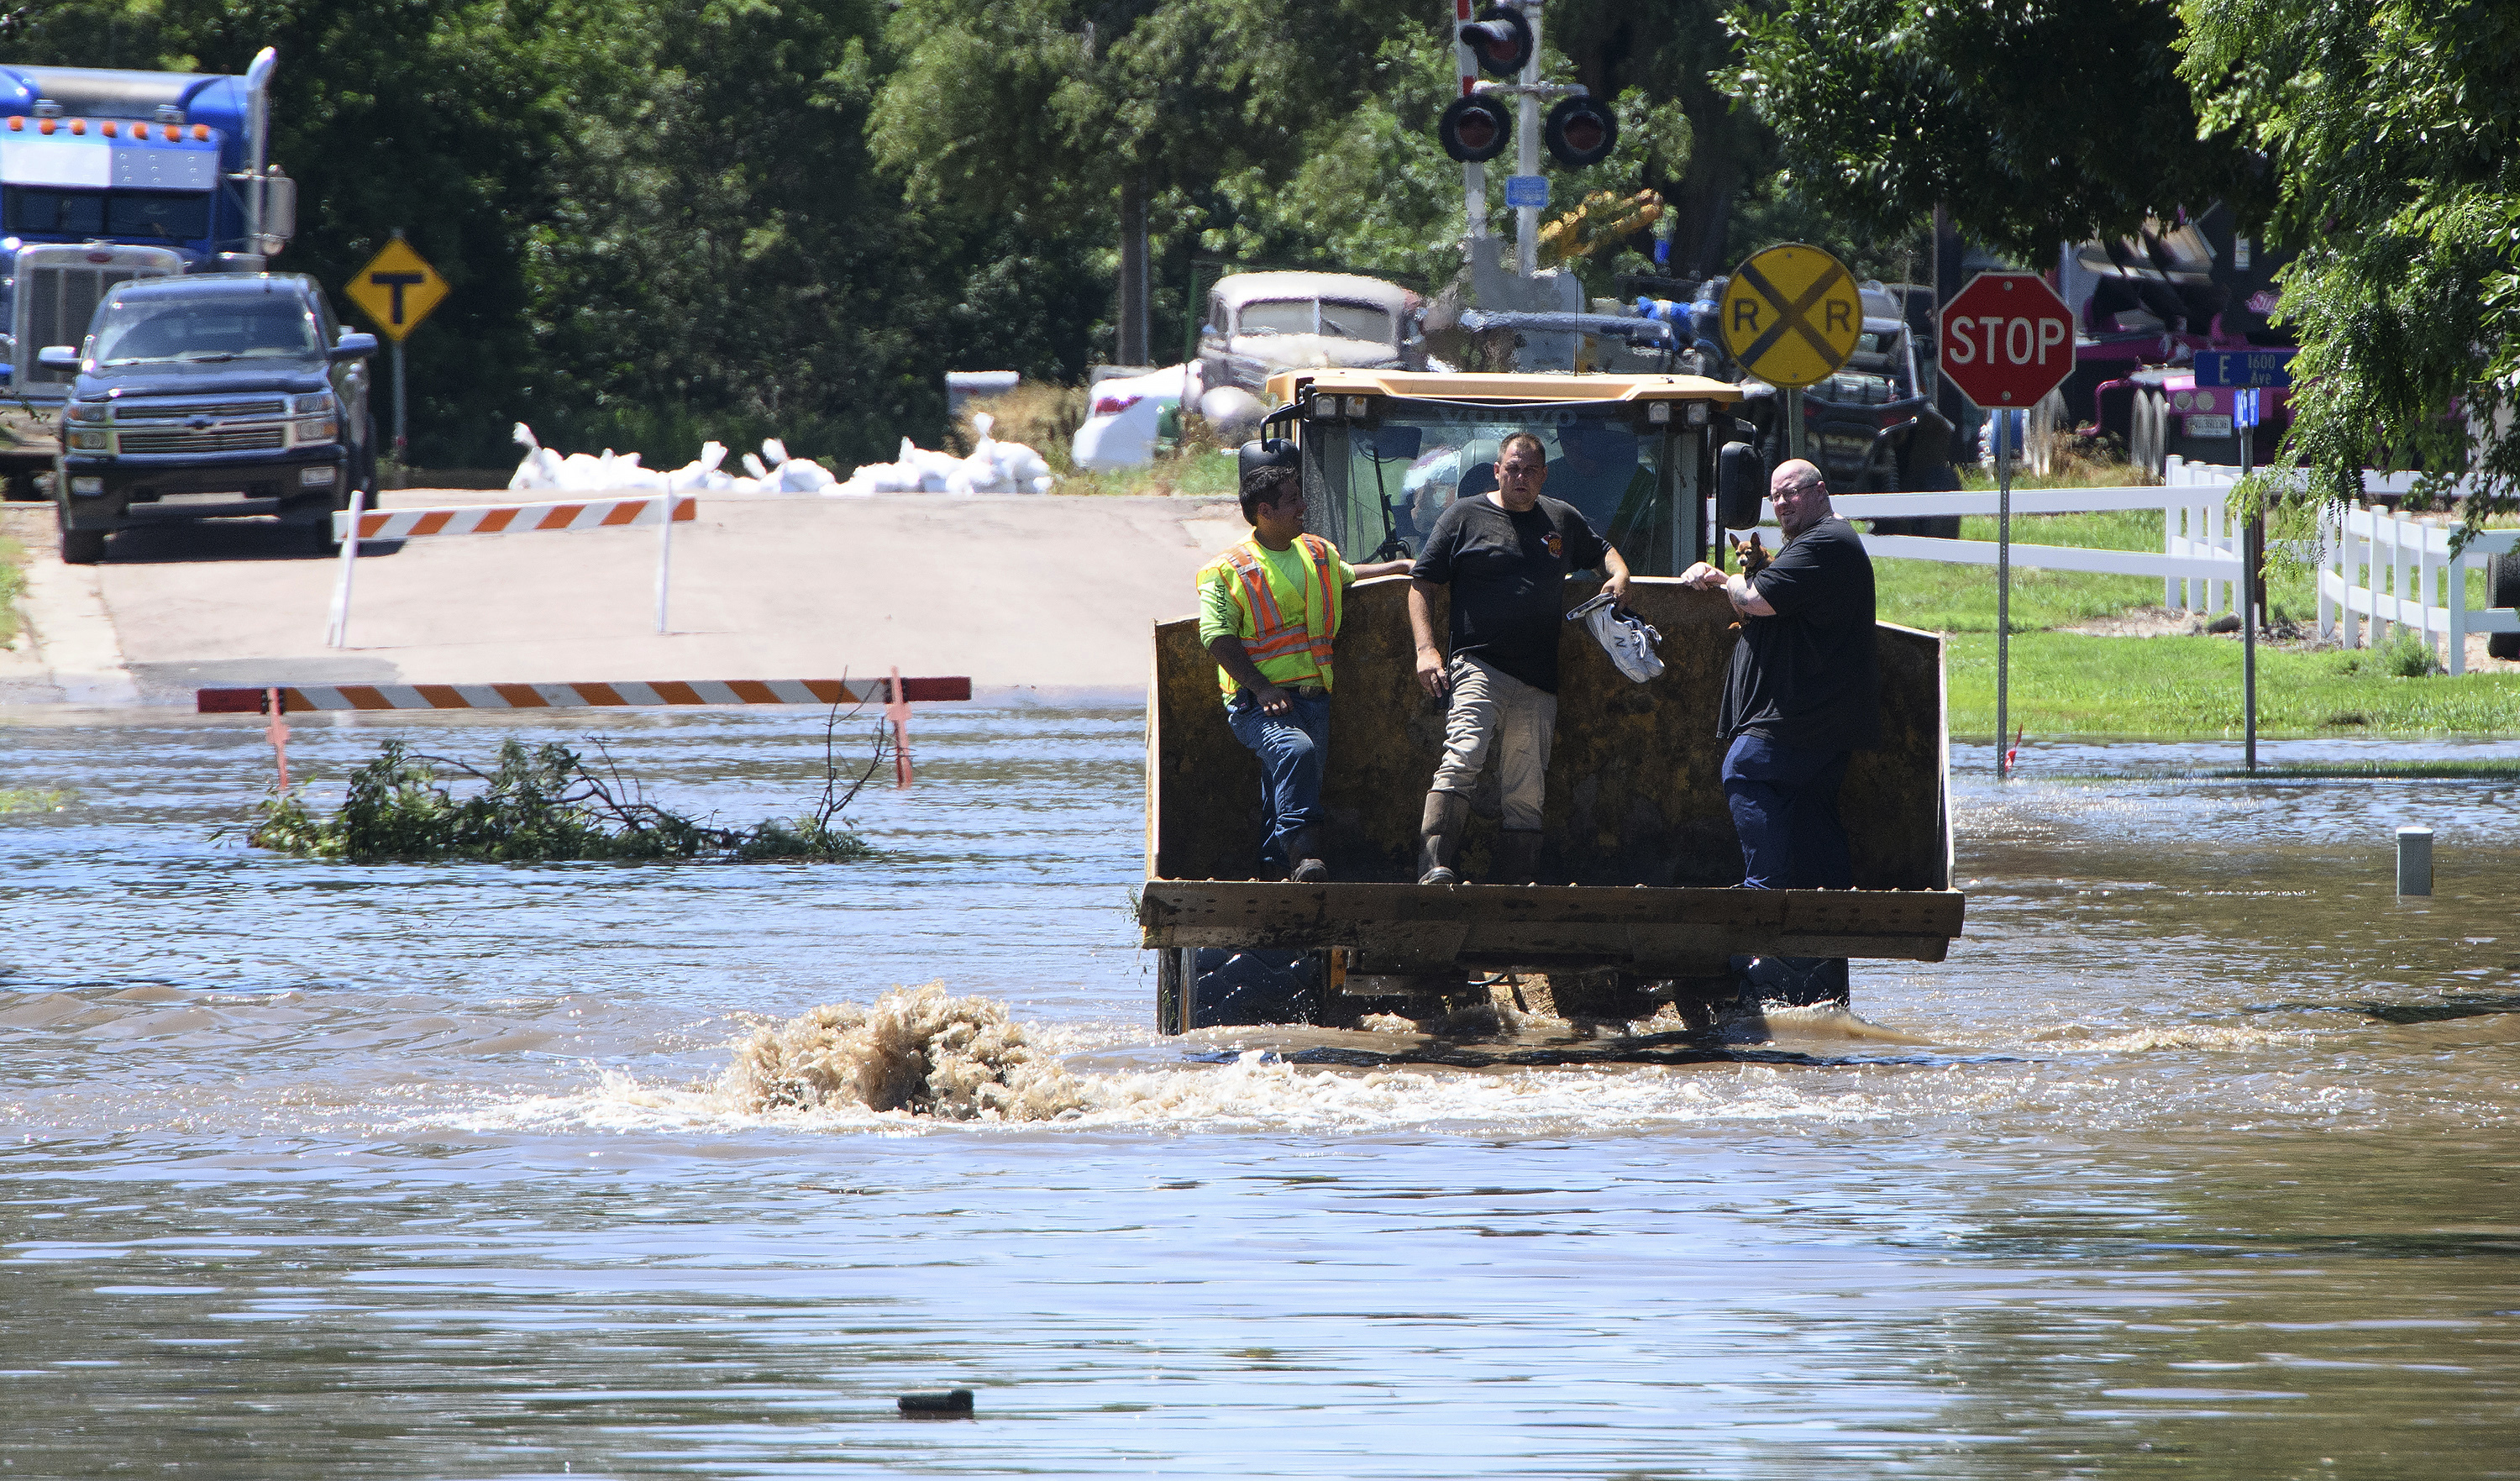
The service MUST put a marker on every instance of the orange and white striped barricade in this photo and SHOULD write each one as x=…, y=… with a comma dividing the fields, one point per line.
x=896, y=694
x=621, y=512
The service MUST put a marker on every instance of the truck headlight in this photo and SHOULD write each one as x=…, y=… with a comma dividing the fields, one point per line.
x=87, y=485
x=86, y=440
x=91, y=410
x=322, y=415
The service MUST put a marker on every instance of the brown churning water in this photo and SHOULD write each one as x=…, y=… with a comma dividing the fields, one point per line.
x=916, y=1050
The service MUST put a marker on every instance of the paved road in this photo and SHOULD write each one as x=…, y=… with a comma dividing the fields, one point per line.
x=1055, y=593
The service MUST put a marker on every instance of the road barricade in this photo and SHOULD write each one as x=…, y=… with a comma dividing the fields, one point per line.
x=895, y=694
x=626, y=512
x=311, y=697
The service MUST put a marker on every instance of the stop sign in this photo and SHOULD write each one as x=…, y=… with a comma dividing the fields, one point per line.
x=2008, y=340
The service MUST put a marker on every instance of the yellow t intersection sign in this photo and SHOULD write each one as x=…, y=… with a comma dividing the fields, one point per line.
x=397, y=289
x=1791, y=315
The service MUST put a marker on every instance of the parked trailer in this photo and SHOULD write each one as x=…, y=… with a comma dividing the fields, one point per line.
x=1643, y=902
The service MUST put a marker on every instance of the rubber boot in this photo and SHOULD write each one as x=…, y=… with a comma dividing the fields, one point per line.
x=1517, y=857
x=1439, y=837
x=1304, y=857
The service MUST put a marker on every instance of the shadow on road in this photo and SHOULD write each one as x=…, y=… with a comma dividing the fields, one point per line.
x=252, y=539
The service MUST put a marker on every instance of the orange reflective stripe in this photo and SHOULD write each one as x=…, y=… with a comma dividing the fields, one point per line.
x=1323, y=634
x=1294, y=640
x=1258, y=600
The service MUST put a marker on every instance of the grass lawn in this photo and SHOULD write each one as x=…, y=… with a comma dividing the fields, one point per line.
x=13, y=581
x=1199, y=475
x=2064, y=683
x=2168, y=687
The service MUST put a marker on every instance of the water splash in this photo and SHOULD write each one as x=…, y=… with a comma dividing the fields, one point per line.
x=916, y=1050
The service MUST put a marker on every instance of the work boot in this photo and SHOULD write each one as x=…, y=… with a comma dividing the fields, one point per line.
x=1439, y=837
x=1517, y=857
x=1304, y=857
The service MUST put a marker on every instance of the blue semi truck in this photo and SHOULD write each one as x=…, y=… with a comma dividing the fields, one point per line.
x=107, y=176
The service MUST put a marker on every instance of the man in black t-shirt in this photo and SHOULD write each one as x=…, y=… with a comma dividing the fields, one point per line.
x=1803, y=693
x=1506, y=555
x=1804, y=690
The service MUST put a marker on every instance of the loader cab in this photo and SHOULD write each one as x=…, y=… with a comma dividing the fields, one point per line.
x=1385, y=453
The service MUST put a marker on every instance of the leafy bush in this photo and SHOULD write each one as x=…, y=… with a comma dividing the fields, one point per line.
x=537, y=805
x=2406, y=655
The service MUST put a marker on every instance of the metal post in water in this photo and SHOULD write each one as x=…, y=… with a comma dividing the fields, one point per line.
x=2253, y=551
x=276, y=705
x=2002, y=588
x=897, y=707
x=2414, y=861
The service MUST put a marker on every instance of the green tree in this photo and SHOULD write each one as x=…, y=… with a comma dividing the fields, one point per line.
x=2038, y=121
x=1088, y=116
x=2391, y=125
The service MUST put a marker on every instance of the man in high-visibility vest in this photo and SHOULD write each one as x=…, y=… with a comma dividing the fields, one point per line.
x=1269, y=612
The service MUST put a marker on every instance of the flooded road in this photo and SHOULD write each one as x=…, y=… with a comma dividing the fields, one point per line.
x=2197, y=1158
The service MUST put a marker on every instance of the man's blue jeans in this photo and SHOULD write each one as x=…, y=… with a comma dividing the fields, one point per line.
x=1292, y=748
x=1784, y=807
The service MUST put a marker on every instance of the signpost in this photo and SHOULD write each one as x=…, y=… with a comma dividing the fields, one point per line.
x=1791, y=316
x=396, y=290
x=2248, y=373
x=2006, y=341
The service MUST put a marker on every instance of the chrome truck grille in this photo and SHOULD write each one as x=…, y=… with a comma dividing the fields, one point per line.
x=184, y=439
x=145, y=414
x=56, y=294
x=59, y=302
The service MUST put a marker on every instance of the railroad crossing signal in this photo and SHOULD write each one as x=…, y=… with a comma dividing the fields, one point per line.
x=1791, y=315
x=397, y=289
x=2008, y=340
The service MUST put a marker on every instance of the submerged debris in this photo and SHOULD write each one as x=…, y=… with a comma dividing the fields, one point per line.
x=535, y=806
x=916, y=1050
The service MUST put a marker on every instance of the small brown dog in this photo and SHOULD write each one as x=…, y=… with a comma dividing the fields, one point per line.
x=1752, y=557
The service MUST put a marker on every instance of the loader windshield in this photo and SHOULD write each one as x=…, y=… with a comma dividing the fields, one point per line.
x=1389, y=481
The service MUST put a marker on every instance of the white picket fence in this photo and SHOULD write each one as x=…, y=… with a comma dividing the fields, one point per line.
x=2198, y=564
x=2377, y=567
x=2389, y=570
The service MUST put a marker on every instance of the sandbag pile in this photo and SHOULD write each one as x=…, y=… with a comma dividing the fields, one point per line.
x=771, y=471
x=994, y=468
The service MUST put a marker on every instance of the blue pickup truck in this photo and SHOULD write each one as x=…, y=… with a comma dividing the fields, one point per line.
x=209, y=396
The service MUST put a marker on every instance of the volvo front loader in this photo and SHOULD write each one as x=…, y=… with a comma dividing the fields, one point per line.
x=1642, y=903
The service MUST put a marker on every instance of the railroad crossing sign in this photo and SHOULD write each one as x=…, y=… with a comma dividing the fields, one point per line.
x=1791, y=315
x=397, y=289
x=2008, y=340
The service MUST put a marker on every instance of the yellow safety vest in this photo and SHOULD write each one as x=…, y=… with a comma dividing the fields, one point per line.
x=1277, y=635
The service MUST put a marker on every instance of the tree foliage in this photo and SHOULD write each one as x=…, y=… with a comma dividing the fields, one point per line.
x=2036, y=122
x=535, y=806
x=2391, y=125
x=664, y=222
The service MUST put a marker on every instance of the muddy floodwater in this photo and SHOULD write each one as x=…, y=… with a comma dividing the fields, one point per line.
x=2195, y=1160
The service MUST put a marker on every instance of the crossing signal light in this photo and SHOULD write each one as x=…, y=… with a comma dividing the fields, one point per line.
x=1579, y=132
x=1501, y=41
x=1475, y=129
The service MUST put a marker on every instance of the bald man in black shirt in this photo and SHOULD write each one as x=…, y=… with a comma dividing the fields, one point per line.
x=1804, y=691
